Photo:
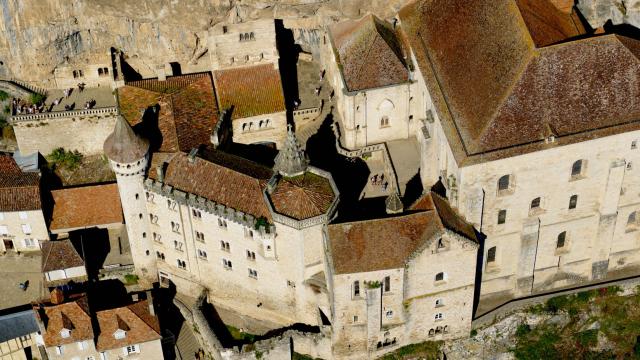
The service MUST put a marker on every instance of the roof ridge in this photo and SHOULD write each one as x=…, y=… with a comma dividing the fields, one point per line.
x=140, y=317
x=406, y=214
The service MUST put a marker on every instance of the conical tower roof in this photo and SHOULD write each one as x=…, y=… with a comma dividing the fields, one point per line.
x=393, y=203
x=123, y=145
x=290, y=161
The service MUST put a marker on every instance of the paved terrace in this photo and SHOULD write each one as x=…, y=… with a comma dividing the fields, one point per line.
x=103, y=97
x=16, y=269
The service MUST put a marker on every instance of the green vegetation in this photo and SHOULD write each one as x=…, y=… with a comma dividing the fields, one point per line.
x=3, y=95
x=473, y=333
x=236, y=334
x=36, y=98
x=429, y=350
x=262, y=221
x=7, y=109
x=131, y=279
x=617, y=317
x=373, y=284
x=65, y=159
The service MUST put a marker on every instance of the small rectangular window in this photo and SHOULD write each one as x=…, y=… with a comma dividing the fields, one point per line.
x=502, y=216
x=356, y=288
x=387, y=283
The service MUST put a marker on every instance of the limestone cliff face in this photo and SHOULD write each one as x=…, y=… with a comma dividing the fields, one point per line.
x=597, y=12
x=37, y=36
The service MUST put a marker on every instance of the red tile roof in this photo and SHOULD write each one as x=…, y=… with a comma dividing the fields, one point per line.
x=388, y=243
x=59, y=255
x=73, y=316
x=549, y=24
x=223, y=178
x=187, y=108
x=139, y=324
x=250, y=90
x=302, y=197
x=86, y=206
x=18, y=191
x=496, y=92
x=369, y=53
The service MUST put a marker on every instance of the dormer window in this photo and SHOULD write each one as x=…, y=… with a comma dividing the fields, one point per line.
x=65, y=333
x=120, y=334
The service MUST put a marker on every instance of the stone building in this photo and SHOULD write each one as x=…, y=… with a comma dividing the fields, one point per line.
x=99, y=72
x=533, y=131
x=62, y=264
x=22, y=223
x=71, y=330
x=246, y=43
x=367, y=64
x=400, y=280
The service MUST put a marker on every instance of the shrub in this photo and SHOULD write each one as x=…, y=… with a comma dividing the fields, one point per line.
x=542, y=346
x=131, y=279
x=3, y=95
x=36, y=98
x=473, y=333
x=587, y=338
x=66, y=159
x=262, y=221
x=373, y=284
x=7, y=109
x=557, y=303
x=586, y=296
x=522, y=330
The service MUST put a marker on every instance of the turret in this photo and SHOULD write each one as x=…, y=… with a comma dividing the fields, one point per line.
x=128, y=156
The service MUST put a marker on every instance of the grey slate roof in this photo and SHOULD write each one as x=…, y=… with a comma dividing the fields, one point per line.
x=123, y=145
x=17, y=324
x=290, y=160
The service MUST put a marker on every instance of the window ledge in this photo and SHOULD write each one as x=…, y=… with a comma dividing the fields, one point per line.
x=440, y=282
x=577, y=177
x=505, y=192
x=490, y=268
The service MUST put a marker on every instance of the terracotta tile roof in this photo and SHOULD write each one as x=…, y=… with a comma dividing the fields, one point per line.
x=59, y=255
x=549, y=24
x=388, y=243
x=73, y=316
x=18, y=191
x=250, y=90
x=187, y=108
x=222, y=178
x=139, y=324
x=369, y=53
x=302, y=197
x=496, y=93
x=86, y=206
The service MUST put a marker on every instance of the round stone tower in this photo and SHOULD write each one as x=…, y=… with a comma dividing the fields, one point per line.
x=128, y=156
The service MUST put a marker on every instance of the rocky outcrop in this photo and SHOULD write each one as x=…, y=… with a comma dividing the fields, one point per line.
x=598, y=12
x=37, y=36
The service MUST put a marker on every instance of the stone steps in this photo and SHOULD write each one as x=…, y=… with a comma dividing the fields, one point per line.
x=186, y=344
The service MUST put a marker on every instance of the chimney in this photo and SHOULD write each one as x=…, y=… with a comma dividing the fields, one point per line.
x=192, y=155
x=160, y=173
x=162, y=76
x=152, y=310
x=57, y=296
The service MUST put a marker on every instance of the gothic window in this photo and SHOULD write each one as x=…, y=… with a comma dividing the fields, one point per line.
x=439, y=316
x=175, y=227
x=153, y=218
x=100, y=73
x=160, y=256
x=389, y=314
x=196, y=213
x=577, y=168
x=491, y=255
x=356, y=288
x=137, y=196
x=182, y=264
x=253, y=273
x=387, y=283
x=202, y=254
x=241, y=37
x=503, y=183
x=384, y=121
x=535, y=203
x=177, y=245
x=432, y=332
x=561, y=240
x=227, y=264
x=251, y=255
x=199, y=236
x=573, y=201
x=445, y=329
x=251, y=36
x=632, y=221
x=156, y=237
x=439, y=302
x=440, y=276
x=502, y=216
x=171, y=205
x=224, y=246
x=222, y=223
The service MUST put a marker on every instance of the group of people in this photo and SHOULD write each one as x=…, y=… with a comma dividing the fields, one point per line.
x=20, y=106
x=379, y=180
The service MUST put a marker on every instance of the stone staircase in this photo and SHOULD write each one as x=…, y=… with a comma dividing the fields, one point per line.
x=186, y=344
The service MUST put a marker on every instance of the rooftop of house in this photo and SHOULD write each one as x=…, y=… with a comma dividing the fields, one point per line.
x=303, y=196
x=250, y=90
x=86, y=206
x=222, y=178
x=388, y=243
x=73, y=316
x=369, y=53
x=138, y=324
x=176, y=114
x=17, y=324
x=506, y=75
x=19, y=191
x=123, y=145
x=59, y=255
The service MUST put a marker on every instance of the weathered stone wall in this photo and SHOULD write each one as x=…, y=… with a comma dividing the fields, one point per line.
x=257, y=45
x=261, y=129
x=37, y=36
x=85, y=133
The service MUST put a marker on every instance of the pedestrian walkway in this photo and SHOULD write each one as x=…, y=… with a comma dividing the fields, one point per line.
x=186, y=343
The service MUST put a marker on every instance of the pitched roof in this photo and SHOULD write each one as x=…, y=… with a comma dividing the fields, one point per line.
x=123, y=145
x=495, y=91
x=369, y=53
x=222, y=178
x=303, y=196
x=74, y=314
x=59, y=255
x=250, y=90
x=550, y=22
x=17, y=324
x=18, y=191
x=388, y=243
x=86, y=206
x=135, y=319
x=186, y=105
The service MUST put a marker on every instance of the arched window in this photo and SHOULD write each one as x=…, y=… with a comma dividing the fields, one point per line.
x=632, y=221
x=503, y=183
x=535, y=203
x=441, y=244
x=241, y=37
x=491, y=255
x=431, y=332
x=99, y=71
x=573, y=201
x=576, y=168
x=137, y=196
x=251, y=36
x=440, y=276
x=502, y=216
x=562, y=237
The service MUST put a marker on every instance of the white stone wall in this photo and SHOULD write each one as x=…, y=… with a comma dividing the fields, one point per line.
x=261, y=129
x=14, y=222
x=228, y=50
x=85, y=133
x=79, y=349
x=91, y=75
x=84, y=349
